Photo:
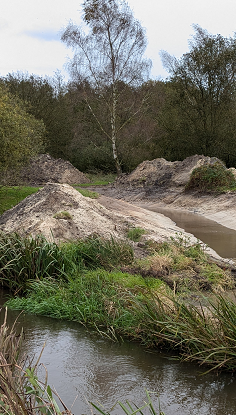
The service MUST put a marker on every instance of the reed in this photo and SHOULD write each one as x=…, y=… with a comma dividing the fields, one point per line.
x=205, y=333
x=25, y=258
x=22, y=393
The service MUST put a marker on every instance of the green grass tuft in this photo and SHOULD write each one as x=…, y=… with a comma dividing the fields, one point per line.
x=135, y=234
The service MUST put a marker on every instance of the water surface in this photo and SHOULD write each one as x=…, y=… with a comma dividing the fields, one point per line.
x=81, y=364
x=218, y=237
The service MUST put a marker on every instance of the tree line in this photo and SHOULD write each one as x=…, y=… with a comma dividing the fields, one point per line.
x=110, y=115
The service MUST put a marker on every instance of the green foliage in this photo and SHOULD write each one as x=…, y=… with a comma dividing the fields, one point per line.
x=11, y=196
x=21, y=135
x=95, y=252
x=211, y=178
x=25, y=258
x=184, y=267
x=88, y=193
x=130, y=408
x=101, y=179
x=135, y=234
x=204, y=333
x=199, y=112
x=63, y=215
x=46, y=99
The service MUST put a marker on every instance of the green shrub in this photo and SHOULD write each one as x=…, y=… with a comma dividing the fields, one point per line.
x=211, y=177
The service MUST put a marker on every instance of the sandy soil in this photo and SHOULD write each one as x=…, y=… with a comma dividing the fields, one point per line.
x=220, y=208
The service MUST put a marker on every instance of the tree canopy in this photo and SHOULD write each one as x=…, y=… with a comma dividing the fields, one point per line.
x=202, y=95
x=21, y=135
x=110, y=55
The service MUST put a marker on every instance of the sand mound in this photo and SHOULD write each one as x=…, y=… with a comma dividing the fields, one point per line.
x=61, y=213
x=162, y=173
x=45, y=168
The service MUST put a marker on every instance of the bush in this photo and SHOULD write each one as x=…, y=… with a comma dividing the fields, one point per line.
x=211, y=177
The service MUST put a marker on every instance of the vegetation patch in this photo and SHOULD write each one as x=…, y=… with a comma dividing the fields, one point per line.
x=135, y=234
x=63, y=215
x=99, y=283
x=99, y=179
x=211, y=178
x=11, y=196
x=88, y=193
x=183, y=267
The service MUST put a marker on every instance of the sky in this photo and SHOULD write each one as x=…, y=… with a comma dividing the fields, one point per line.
x=30, y=30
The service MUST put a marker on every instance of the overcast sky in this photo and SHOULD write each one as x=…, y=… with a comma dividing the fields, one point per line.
x=30, y=30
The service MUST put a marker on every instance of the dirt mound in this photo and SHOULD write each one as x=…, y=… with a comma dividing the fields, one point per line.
x=60, y=213
x=45, y=168
x=162, y=173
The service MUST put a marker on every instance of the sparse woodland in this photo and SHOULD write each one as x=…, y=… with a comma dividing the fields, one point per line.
x=110, y=116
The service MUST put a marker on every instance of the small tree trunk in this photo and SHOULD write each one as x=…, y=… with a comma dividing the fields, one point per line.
x=113, y=131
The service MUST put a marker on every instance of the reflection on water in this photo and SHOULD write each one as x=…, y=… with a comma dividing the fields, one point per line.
x=84, y=365
x=218, y=237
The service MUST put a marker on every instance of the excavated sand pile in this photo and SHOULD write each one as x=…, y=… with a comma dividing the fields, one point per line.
x=45, y=168
x=60, y=213
x=162, y=173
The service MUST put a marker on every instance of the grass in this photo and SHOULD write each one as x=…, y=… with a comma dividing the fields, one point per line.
x=63, y=215
x=153, y=315
x=11, y=196
x=99, y=179
x=99, y=283
x=88, y=193
x=135, y=234
x=23, y=259
x=211, y=178
x=184, y=267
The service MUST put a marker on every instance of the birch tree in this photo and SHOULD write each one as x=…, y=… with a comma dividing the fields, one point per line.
x=110, y=53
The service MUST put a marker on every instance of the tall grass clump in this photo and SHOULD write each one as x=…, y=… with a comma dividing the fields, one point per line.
x=96, y=252
x=26, y=258
x=204, y=333
x=23, y=259
x=184, y=267
x=211, y=178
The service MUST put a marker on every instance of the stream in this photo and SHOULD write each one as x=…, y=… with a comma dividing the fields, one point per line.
x=218, y=237
x=83, y=366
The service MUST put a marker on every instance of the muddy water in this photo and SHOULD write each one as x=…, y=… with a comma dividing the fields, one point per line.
x=218, y=237
x=83, y=365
